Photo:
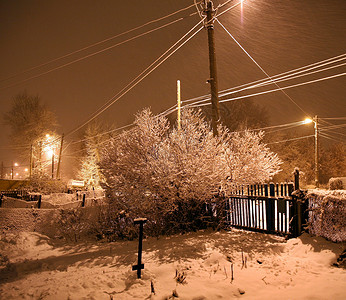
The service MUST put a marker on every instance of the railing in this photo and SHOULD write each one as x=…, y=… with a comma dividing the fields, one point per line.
x=267, y=208
x=19, y=194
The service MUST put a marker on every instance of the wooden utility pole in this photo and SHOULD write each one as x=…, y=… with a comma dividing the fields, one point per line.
x=316, y=152
x=209, y=25
x=53, y=166
x=59, y=159
x=30, y=168
x=179, y=104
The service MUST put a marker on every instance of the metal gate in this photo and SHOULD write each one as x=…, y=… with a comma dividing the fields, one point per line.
x=270, y=208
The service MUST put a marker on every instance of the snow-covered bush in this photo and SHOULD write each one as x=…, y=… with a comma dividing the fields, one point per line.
x=44, y=185
x=171, y=174
x=335, y=184
x=71, y=223
x=249, y=161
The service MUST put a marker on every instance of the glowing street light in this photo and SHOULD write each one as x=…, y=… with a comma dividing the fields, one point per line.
x=307, y=121
x=12, y=169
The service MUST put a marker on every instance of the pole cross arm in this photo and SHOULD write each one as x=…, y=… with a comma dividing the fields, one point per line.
x=140, y=220
x=136, y=267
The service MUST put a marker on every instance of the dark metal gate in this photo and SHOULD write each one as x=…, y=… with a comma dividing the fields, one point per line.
x=270, y=208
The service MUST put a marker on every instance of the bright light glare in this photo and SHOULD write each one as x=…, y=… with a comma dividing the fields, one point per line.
x=50, y=152
x=16, y=164
x=26, y=170
x=307, y=121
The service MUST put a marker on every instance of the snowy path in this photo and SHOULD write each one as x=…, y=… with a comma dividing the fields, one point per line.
x=264, y=267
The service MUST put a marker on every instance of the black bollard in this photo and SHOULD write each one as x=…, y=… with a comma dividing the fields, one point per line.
x=139, y=265
x=39, y=201
x=83, y=201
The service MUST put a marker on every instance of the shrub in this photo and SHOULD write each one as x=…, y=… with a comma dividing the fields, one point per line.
x=71, y=224
x=335, y=184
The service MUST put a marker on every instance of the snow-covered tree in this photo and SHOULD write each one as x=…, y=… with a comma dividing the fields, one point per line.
x=29, y=120
x=248, y=160
x=90, y=171
x=172, y=165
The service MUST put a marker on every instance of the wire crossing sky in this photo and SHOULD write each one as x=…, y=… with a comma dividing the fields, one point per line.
x=279, y=35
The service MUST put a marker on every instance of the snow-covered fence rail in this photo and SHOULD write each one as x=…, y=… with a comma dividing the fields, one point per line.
x=8, y=202
x=14, y=193
x=272, y=189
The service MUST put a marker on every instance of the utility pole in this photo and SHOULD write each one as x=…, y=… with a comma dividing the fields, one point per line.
x=316, y=152
x=30, y=169
x=179, y=104
x=209, y=25
x=53, y=166
x=59, y=159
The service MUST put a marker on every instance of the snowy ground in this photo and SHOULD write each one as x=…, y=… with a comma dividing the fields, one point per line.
x=264, y=267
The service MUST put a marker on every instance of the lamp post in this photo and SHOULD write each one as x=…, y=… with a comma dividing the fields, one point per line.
x=12, y=170
x=315, y=121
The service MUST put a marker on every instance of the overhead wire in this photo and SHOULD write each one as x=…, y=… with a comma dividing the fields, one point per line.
x=247, y=53
x=338, y=118
x=90, y=55
x=275, y=90
x=277, y=76
x=228, y=9
x=142, y=75
x=98, y=43
x=293, y=139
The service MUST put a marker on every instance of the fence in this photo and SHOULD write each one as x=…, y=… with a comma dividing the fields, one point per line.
x=19, y=194
x=271, y=208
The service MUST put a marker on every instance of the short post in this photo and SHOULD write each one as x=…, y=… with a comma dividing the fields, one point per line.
x=139, y=265
x=39, y=201
x=83, y=201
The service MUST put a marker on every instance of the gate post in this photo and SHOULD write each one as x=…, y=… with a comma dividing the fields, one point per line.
x=296, y=178
x=270, y=208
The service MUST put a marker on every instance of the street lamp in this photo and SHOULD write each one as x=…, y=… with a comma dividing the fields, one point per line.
x=315, y=121
x=12, y=169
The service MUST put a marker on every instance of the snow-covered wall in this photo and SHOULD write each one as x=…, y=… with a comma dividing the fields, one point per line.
x=44, y=221
x=327, y=216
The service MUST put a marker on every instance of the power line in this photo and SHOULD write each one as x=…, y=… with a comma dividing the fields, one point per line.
x=261, y=67
x=92, y=54
x=293, y=139
x=98, y=43
x=274, y=90
x=339, y=118
x=284, y=78
x=327, y=136
x=256, y=83
x=103, y=133
x=228, y=9
x=139, y=78
x=222, y=93
x=326, y=128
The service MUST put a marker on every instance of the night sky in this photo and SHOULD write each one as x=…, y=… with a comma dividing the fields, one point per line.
x=280, y=35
